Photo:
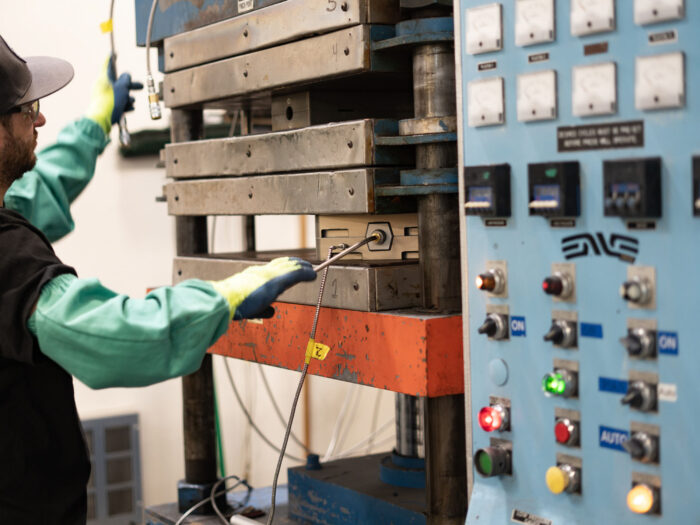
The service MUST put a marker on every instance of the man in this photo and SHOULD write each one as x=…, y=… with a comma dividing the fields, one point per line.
x=54, y=325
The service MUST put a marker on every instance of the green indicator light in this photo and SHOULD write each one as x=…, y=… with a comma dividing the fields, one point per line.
x=551, y=172
x=484, y=463
x=487, y=175
x=553, y=384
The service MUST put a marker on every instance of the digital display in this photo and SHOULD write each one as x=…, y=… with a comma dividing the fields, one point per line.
x=624, y=187
x=546, y=192
x=481, y=194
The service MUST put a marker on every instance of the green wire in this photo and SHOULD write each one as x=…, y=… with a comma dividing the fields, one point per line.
x=219, y=442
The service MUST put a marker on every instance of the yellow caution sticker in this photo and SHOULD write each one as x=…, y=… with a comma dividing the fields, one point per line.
x=106, y=26
x=316, y=350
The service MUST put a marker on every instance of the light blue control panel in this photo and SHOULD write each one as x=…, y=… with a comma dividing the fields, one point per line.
x=580, y=187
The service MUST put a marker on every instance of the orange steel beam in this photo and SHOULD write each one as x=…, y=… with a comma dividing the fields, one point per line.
x=407, y=352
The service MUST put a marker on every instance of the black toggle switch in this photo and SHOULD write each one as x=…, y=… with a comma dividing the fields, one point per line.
x=495, y=326
x=640, y=395
x=642, y=447
x=489, y=327
x=562, y=333
x=640, y=342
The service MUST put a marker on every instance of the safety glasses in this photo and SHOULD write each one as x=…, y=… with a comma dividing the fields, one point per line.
x=31, y=109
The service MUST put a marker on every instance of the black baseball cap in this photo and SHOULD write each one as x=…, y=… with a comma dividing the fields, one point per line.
x=28, y=79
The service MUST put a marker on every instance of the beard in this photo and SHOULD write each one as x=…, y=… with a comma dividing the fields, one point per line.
x=16, y=158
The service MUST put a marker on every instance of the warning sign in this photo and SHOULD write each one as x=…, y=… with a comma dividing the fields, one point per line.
x=601, y=136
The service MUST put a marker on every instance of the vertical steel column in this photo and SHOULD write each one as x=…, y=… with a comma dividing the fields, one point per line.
x=409, y=426
x=197, y=388
x=438, y=223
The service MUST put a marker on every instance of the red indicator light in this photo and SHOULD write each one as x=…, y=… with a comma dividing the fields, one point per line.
x=552, y=286
x=493, y=418
x=562, y=433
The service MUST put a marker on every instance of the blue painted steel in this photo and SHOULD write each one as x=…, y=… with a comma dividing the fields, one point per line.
x=529, y=245
x=421, y=177
x=419, y=31
x=314, y=500
x=407, y=191
x=411, y=140
x=184, y=15
x=407, y=461
x=425, y=25
x=402, y=471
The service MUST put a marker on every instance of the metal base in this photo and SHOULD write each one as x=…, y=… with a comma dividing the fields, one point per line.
x=349, y=491
x=189, y=494
x=168, y=513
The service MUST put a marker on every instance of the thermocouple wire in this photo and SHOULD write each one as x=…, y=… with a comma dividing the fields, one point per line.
x=378, y=236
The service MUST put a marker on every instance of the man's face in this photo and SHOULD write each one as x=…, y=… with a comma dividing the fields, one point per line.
x=17, y=145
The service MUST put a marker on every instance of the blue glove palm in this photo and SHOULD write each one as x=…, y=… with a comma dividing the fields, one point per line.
x=110, y=97
x=121, y=86
x=250, y=292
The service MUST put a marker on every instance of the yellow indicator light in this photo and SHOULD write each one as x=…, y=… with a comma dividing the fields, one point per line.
x=557, y=480
x=641, y=499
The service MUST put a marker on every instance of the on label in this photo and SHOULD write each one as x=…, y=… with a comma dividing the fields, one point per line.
x=668, y=343
x=517, y=326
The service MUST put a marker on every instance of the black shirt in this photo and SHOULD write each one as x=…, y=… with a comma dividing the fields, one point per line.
x=44, y=465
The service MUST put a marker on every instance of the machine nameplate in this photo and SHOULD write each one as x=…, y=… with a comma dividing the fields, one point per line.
x=519, y=516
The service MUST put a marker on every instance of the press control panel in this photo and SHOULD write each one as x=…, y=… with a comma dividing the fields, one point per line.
x=580, y=190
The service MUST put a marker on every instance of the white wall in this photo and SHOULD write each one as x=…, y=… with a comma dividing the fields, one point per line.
x=127, y=240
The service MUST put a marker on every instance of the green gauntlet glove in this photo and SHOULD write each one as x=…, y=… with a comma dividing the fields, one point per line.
x=250, y=292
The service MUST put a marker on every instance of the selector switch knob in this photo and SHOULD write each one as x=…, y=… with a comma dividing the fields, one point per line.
x=640, y=342
x=640, y=395
x=562, y=333
x=495, y=326
x=636, y=290
x=492, y=281
x=559, y=285
x=563, y=478
x=642, y=447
